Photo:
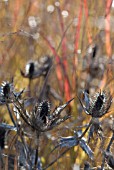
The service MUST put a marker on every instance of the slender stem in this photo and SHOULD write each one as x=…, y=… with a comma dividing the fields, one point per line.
x=68, y=148
x=86, y=129
x=107, y=149
x=36, y=158
x=110, y=143
x=29, y=87
x=44, y=85
x=36, y=154
x=64, y=33
x=6, y=163
x=23, y=112
x=1, y=160
x=10, y=113
x=55, y=160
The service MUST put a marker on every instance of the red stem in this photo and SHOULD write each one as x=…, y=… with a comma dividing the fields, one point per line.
x=107, y=27
x=65, y=64
x=87, y=23
x=58, y=61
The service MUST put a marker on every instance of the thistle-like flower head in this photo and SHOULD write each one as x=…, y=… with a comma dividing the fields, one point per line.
x=45, y=63
x=30, y=68
x=41, y=112
x=44, y=109
x=35, y=69
x=6, y=89
x=40, y=119
x=7, y=92
x=98, y=104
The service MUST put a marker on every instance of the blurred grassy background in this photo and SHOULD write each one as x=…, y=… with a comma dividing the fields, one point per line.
x=62, y=29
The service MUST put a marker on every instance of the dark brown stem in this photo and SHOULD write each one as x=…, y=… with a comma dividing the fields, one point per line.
x=29, y=87
x=10, y=113
x=36, y=154
x=107, y=150
x=86, y=129
x=110, y=143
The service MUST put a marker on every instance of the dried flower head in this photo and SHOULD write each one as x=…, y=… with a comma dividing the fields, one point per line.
x=30, y=68
x=92, y=50
x=7, y=92
x=34, y=69
x=44, y=110
x=44, y=64
x=98, y=104
x=6, y=89
x=40, y=119
x=93, y=63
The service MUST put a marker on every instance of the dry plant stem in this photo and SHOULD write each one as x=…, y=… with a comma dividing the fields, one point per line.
x=65, y=31
x=54, y=161
x=36, y=159
x=10, y=113
x=80, y=127
x=86, y=129
x=16, y=162
x=8, y=34
x=88, y=126
x=6, y=162
x=36, y=154
x=45, y=83
x=13, y=141
x=22, y=139
x=1, y=160
x=110, y=143
x=22, y=115
x=15, y=137
x=24, y=144
x=29, y=87
x=108, y=149
x=58, y=61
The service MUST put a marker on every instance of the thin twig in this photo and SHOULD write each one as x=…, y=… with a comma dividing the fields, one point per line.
x=107, y=150
x=36, y=154
x=44, y=84
x=64, y=36
x=10, y=113
x=110, y=143
x=55, y=160
x=29, y=87
x=86, y=129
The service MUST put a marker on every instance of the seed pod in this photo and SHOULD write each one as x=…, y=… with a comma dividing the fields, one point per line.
x=98, y=104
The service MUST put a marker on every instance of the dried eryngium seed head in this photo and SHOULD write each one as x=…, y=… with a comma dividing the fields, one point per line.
x=7, y=88
x=30, y=68
x=45, y=63
x=99, y=104
x=44, y=110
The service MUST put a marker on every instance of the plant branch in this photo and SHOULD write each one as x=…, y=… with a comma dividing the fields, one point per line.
x=55, y=160
x=10, y=113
